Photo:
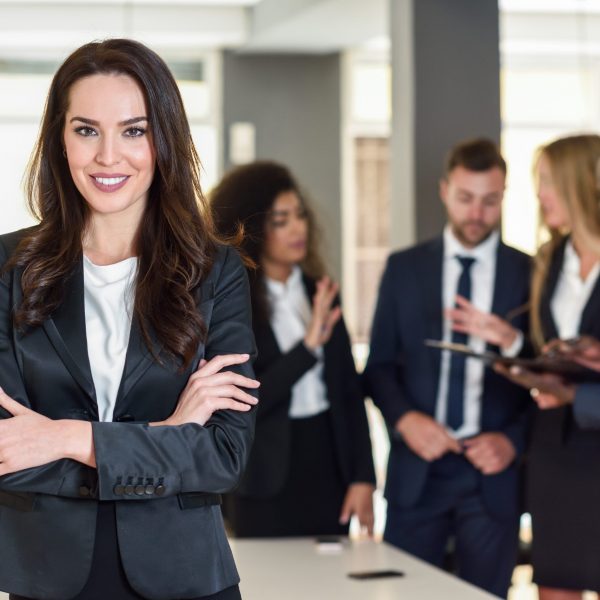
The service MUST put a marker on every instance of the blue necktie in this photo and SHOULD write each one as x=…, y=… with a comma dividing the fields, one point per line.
x=456, y=382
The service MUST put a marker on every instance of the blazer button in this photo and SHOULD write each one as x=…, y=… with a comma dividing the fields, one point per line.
x=140, y=490
x=149, y=490
x=119, y=489
x=129, y=489
x=84, y=491
x=160, y=490
x=125, y=419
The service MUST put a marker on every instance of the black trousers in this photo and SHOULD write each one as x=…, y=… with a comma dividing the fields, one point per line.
x=451, y=507
x=311, y=500
x=107, y=580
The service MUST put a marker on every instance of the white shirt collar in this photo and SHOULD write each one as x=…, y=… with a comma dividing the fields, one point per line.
x=483, y=253
x=278, y=289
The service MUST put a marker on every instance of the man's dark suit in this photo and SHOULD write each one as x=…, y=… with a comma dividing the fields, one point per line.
x=164, y=481
x=402, y=374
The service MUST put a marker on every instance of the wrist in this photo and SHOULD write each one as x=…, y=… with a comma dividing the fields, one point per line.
x=401, y=422
x=509, y=338
x=310, y=344
x=76, y=441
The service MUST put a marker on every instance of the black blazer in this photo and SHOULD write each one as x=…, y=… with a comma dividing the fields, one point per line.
x=558, y=428
x=402, y=374
x=267, y=468
x=164, y=480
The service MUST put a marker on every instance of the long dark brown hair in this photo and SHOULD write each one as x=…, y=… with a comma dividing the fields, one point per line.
x=176, y=241
x=243, y=201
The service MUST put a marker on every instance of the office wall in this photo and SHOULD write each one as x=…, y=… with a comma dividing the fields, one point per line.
x=294, y=103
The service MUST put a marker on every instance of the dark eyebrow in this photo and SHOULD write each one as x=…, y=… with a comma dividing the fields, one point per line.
x=121, y=124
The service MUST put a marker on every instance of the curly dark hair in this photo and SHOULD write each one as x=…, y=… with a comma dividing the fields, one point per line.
x=241, y=204
x=176, y=243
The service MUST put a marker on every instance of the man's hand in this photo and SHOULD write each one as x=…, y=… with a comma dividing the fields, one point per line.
x=487, y=326
x=425, y=436
x=490, y=453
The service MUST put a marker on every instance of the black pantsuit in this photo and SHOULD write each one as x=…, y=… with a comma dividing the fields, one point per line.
x=563, y=486
x=299, y=469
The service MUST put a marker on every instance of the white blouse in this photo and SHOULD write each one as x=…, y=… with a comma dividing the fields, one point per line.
x=108, y=294
x=290, y=315
x=571, y=294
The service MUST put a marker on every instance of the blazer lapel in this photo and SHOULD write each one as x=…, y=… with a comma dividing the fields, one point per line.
x=140, y=358
x=430, y=279
x=556, y=263
x=589, y=319
x=67, y=333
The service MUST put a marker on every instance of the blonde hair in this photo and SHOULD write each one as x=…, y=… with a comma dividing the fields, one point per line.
x=574, y=163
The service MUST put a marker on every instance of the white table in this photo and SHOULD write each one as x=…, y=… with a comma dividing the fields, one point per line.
x=295, y=569
x=298, y=570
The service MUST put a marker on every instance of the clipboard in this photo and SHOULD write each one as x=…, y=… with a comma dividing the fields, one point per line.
x=568, y=369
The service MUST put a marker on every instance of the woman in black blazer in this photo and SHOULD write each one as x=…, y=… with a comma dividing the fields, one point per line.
x=124, y=414
x=563, y=489
x=311, y=466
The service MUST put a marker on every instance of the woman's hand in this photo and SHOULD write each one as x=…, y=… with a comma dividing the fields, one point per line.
x=359, y=502
x=472, y=321
x=547, y=389
x=584, y=350
x=29, y=439
x=210, y=389
x=324, y=317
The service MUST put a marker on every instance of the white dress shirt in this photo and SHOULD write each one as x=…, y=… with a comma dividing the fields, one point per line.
x=571, y=294
x=108, y=294
x=290, y=314
x=483, y=273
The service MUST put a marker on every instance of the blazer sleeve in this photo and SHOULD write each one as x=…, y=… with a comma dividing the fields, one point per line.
x=278, y=378
x=384, y=366
x=62, y=477
x=190, y=457
x=363, y=469
x=586, y=407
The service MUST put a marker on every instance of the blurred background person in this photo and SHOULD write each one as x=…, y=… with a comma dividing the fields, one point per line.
x=565, y=303
x=311, y=465
x=456, y=431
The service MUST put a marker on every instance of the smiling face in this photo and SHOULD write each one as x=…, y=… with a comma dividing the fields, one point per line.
x=473, y=201
x=108, y=145
x=286, y=233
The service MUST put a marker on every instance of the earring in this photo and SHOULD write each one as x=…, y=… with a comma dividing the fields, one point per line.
x=64, y=153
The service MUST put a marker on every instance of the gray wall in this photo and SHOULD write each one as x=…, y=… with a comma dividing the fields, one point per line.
x=454, y=74
x=294, y=103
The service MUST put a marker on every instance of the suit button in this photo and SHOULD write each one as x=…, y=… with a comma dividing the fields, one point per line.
x=84, y=491
x=125, y=418
x=140, y=490
x=149, y=490
x=129, y=489
x=119, y=489
x=160, y=490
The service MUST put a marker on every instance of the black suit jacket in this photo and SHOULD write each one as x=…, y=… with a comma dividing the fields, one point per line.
x=267, y=468
x=557, y=428
x=164, y=480
x=402, y=374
